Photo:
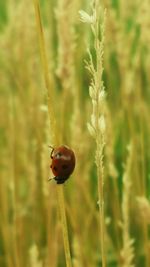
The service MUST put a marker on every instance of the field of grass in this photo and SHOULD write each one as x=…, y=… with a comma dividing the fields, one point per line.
x=75, y=73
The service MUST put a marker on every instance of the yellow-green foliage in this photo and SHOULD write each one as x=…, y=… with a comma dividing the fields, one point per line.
x=50, y=102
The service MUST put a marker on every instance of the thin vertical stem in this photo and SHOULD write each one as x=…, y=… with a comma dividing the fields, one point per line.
x=61, y=203
x=47, y=78
x=100, y=174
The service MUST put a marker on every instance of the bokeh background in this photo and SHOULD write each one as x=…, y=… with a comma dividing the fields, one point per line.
x=30, y=228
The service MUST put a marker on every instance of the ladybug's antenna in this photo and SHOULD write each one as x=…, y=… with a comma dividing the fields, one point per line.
x=51, y=151
x=51, y=147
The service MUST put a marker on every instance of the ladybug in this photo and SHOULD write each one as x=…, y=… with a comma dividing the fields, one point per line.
x=63, y=163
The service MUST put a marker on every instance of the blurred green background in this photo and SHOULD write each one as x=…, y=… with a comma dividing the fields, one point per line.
x=30, y=229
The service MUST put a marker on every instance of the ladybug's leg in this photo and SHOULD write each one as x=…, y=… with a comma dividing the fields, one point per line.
x=49, y=179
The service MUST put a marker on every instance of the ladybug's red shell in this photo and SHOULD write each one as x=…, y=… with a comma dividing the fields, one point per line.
x=63, y=163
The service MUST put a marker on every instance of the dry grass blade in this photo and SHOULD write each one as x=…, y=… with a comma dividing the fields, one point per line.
x=53, y=128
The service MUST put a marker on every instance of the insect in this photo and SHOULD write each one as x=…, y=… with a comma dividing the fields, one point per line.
x=63, y=163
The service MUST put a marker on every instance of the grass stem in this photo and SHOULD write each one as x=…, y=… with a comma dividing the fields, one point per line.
x=55, y=137
x=61, y=203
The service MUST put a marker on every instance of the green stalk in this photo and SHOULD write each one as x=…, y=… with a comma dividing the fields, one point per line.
x=44, y=61
x=100, y=176
x=61, y=203
x=55, y=137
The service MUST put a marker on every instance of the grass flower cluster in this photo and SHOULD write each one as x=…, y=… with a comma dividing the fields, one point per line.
x=97, y=125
